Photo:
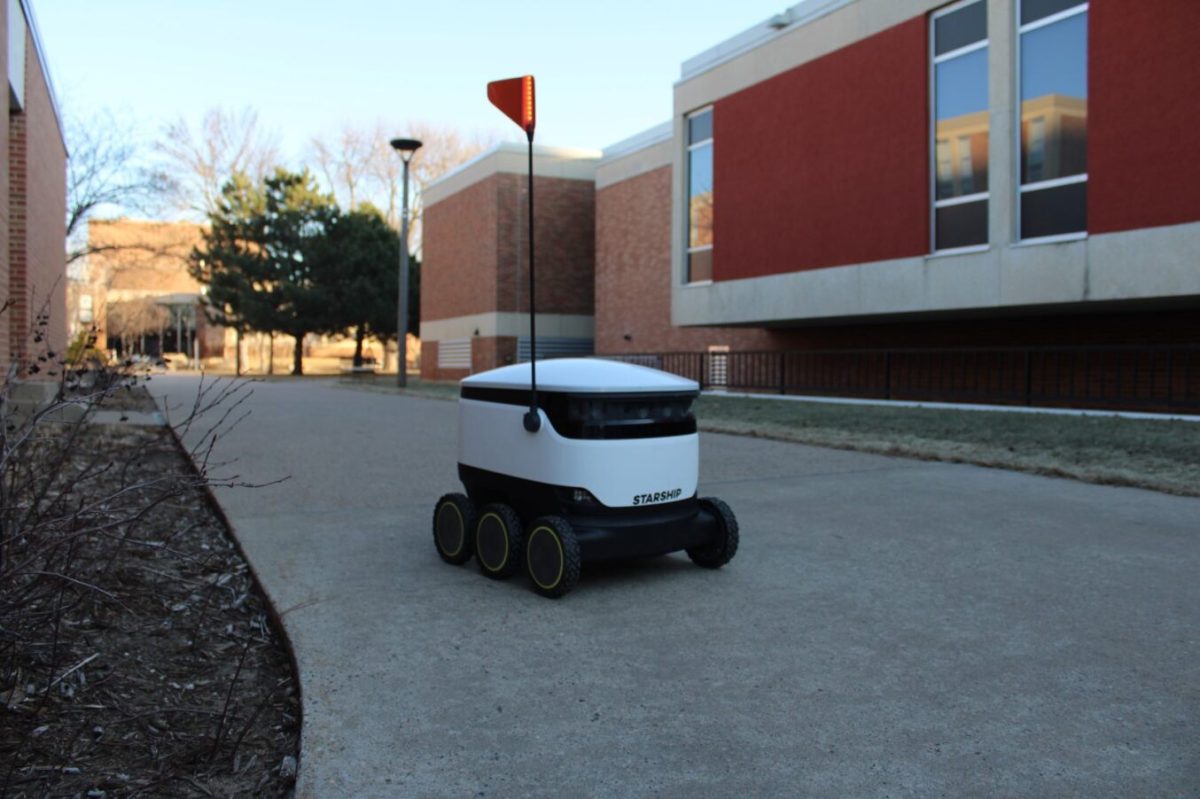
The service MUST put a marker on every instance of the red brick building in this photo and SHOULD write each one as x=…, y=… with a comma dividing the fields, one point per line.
x=474, y=274
x=984, y=199
x=33, y=197
x=892, y=162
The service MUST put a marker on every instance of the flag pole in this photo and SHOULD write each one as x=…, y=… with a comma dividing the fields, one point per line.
x=515, y=97
x=532, y=420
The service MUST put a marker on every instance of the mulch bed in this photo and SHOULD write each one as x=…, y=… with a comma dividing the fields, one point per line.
x=137, y=655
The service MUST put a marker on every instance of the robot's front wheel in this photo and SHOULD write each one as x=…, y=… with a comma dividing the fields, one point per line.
x=498, y=541
x=453, y=528
x=723, y=547
x=552, y=556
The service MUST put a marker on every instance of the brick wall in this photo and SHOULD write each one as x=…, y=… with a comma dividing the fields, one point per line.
x=564, y=240
x=476, y=248
x=4, y=207
x=36, y=250
x=488, y=352
x=1143, y=118
x=458, y=270
x=633, y=275
x=827, y=163
x=476, y=256
x=18, y=261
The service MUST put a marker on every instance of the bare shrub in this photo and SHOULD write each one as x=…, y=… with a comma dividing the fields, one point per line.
x=137, y=655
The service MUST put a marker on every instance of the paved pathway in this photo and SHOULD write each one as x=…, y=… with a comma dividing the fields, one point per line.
x=890, y=627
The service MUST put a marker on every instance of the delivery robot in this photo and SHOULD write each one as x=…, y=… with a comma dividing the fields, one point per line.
x=601, y=462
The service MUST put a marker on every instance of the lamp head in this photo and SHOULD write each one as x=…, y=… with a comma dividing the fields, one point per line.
x=406, y=147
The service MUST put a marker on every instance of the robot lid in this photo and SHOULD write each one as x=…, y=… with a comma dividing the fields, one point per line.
x=584, y=375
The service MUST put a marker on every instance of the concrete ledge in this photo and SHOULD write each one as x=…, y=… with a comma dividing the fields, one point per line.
x=1126, y=267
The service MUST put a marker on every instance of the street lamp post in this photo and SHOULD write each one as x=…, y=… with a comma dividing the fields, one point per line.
x=406, y=148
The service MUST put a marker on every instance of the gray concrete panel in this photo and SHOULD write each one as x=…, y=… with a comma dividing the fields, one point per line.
x=1153, y=262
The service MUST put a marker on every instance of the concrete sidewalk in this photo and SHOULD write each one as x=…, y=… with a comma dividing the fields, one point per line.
x=889, y=628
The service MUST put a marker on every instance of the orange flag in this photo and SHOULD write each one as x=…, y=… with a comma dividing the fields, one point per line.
x=514, y=97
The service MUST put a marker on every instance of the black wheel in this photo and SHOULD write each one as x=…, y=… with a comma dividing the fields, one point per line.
x=453, y=521
x=498, y=541
x=723, y=547
x=552, y=556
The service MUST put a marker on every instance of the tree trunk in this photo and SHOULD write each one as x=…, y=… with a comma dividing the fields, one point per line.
x=358, y=342
x=271, y=355
x=237, y=369
x=298, y=356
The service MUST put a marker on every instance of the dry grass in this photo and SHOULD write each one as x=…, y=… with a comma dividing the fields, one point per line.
x=1162, y=455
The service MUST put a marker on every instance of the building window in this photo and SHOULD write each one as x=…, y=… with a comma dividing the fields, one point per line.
x=16, y=56
x=1053, y=80
x=959, y=50
x=700, y=196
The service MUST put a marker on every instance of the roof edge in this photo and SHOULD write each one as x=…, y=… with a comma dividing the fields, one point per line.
x=639, y=141
x=40, y=50
x=510, y=157
x=798, y=15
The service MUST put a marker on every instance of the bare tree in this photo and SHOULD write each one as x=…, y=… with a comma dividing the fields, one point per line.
x=135, y=320
x=345, y=161
x=106, y=170
x=199, y=161
x=443, y=148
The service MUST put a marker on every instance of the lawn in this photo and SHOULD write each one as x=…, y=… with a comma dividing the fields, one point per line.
x=1163, y=455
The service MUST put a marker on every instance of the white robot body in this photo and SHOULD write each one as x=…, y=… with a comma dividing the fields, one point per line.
x=618, y=471
x=610, y=471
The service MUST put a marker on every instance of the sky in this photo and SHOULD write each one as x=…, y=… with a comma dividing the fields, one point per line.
x=604, y=70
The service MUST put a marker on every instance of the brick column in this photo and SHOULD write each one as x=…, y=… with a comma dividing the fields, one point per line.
x=18, y=264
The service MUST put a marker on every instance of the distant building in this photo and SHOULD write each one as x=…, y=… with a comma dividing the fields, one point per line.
x=137, y=295
x=32, y=197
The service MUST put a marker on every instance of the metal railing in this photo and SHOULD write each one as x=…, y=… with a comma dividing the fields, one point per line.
x=1130, y=378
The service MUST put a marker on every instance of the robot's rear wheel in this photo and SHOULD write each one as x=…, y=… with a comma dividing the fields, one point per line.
x=498, y=541
x=453, y=528
x=552, y=557
x=724, y=545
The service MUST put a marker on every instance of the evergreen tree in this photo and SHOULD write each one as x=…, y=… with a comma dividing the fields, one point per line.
x=280, y=257
x=360, y=276
x=231, y=262
x=297, y=220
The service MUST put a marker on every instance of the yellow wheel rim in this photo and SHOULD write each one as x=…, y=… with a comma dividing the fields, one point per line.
x=529, y=558
x=462, y=526
x=503, y=535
